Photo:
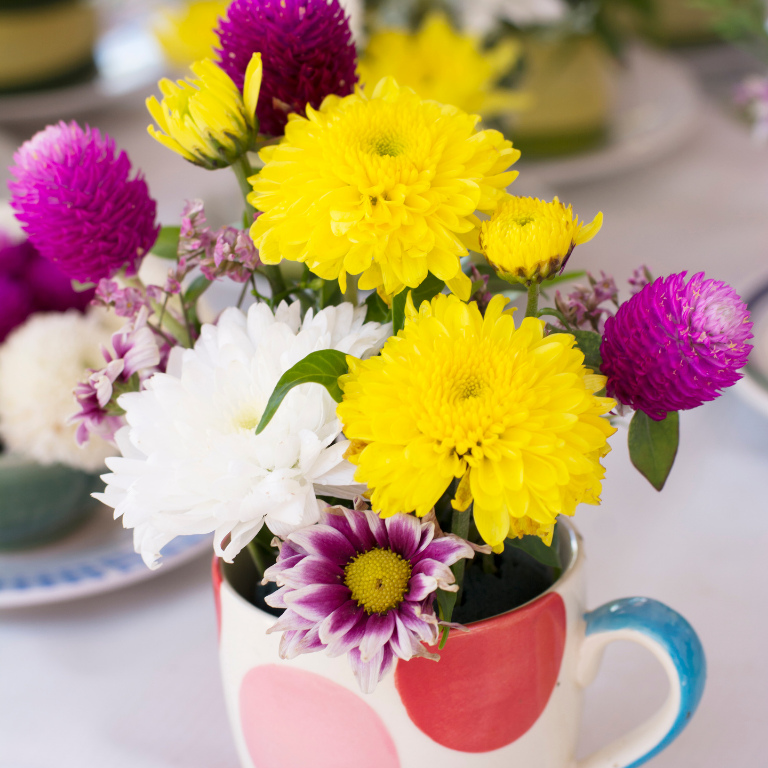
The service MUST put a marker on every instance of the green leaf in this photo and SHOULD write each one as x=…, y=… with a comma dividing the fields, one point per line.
x=78, y=287
x=446, y=601
x=424, y=292
x=198, y=287
x=377, y=311
x=167, y=244
x=321, y=367
x=589, y=343
x=653, y=446
x=564, y=278
x=538, y=550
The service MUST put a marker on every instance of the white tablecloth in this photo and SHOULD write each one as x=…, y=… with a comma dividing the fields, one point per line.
x=130, y=679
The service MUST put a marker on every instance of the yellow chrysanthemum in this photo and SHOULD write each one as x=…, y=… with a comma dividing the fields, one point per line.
x=528, y=240
x=457, y=395
x=208, y=121
x=442, y=64
x=188, y=34
x=384, y=187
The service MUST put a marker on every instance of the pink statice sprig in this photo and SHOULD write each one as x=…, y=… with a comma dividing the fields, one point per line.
x=585, y=307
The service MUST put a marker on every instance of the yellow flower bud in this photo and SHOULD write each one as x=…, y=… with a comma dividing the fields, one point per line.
x=207, y=120
x=528, y=240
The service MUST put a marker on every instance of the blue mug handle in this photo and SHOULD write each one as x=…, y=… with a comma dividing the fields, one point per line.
x=674, y=643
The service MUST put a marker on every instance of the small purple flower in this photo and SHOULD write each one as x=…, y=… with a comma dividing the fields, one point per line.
x=640, y=278
x=234, y=256
x=306, y=48
x=172, y=285
x=73, y=197
x=134, y=357
x=583, y=308
x=195, y=235
x=129, y=302
x=604, y=288
x=674, y=346
x=360, y=585
x=126, y=301
x=481, y=295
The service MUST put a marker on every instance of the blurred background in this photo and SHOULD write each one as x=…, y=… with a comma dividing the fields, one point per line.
x=654, y=112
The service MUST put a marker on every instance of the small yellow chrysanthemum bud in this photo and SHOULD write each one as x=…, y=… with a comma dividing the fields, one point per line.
x=528, y=240
x=208, y=121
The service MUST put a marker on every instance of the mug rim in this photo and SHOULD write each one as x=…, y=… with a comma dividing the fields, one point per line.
x=571, y=536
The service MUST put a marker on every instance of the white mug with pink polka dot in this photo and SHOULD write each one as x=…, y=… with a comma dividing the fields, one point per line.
x=506, y=694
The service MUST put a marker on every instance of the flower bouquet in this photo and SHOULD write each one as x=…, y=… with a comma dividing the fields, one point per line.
x=385, y=454
x=48, y=338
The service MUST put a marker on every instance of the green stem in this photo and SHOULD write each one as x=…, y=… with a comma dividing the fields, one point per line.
x=350, y=294
x=242, y=293
x=243, y=171
x=187, y=322
x=276, y=282
x=533, y=300
x=554, y=313
x=257, y=556
x=460, y=528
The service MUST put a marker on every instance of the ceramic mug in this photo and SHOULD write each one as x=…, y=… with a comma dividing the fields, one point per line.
x=507, y=693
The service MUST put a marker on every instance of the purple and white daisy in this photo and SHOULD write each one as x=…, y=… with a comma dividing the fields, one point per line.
x=134, y=357
x=356, y=584
x=74, y=198
x=674, y=346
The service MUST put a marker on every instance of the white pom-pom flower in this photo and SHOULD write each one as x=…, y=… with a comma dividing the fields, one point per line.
x=192, y=462
x=40, y=363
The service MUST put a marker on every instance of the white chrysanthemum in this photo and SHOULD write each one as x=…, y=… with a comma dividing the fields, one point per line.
x=40, y=364
x=192, y=462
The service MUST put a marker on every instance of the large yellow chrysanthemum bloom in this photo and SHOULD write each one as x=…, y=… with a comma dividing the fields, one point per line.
x=208, y=121
x=442, y=64
x=528, y=240
x=457, y=395
x=384, y=187
x=188, y=34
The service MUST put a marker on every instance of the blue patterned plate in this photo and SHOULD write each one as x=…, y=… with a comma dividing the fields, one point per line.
x=98, y=557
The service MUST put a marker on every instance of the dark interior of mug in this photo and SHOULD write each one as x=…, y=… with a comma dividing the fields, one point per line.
x=493, y=584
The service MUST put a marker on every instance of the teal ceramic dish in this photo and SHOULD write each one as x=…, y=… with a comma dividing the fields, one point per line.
x=39, y=504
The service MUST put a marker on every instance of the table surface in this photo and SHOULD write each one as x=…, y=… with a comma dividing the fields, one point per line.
x=130, y=678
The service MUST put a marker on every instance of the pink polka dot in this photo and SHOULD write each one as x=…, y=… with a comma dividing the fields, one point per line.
x=296, y=719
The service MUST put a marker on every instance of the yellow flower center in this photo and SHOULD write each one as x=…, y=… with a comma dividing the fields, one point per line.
x=248, y=419
x=460, y=409
x=378, y=579
x=387, y=145
x=469, y=386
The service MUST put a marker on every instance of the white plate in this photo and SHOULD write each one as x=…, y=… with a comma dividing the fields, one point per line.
x=753, y=388
x=127, y=58
x=657, y=108
x=98, y=557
